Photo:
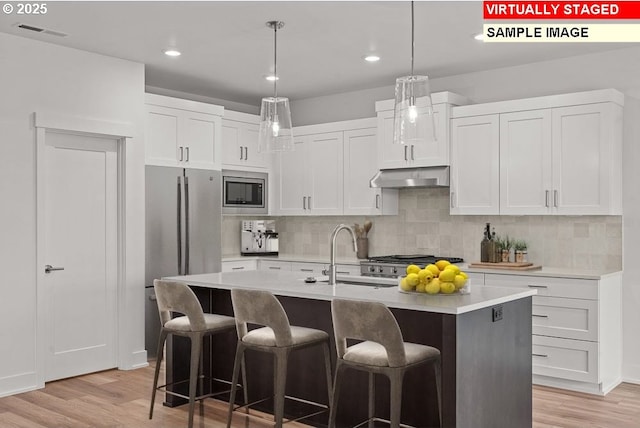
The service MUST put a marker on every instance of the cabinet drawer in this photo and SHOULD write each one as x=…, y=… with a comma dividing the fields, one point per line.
x=308, y=268
x=239, y=265
x=274, y=265
x=565, y=318
x=347, y=269
x=565, y=358
x=546, y=286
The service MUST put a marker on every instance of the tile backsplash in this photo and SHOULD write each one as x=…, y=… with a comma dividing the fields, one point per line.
x=423, y=226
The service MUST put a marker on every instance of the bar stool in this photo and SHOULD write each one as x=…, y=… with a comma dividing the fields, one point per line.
x=383, y=351
x=195, y=324
x=277, y=337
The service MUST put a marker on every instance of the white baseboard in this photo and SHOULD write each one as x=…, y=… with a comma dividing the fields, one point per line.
x=17, y=384
x=631, y=373
x=589, y=388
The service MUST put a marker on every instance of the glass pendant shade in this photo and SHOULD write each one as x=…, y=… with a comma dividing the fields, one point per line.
x=413, y=121
x=275, y=133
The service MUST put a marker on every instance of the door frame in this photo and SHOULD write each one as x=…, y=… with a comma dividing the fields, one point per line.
x=45, y=122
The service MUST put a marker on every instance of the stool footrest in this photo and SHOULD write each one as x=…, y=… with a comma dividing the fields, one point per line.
x=376, y=419
x=323, y=407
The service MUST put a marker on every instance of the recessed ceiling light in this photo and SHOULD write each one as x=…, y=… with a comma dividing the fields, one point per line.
x=172, y=52
x=271, y=78
x=479, y=36
x=372, y=58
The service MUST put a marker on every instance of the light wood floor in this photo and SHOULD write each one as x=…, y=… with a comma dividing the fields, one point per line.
x=121, y=399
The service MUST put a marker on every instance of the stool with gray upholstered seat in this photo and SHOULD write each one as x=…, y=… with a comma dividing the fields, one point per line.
x=277, y=337
x=177, y=297
x=383, y=351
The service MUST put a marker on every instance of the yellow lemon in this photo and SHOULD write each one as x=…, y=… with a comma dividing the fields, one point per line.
x=442, y=263
x=413, y=269
x=433, y=269
x=447, y=275
x=433, y=287
x=455, y=268
x=412, y=279
x=447, y=287
x=404, y=286
x=425, y=275
x=464, y=274
x=420, y=288
x=459, y=281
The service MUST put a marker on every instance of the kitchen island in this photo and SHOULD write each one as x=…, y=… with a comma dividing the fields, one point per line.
x=484, y=338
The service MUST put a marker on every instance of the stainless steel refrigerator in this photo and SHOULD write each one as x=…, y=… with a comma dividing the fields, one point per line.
x=183, y=227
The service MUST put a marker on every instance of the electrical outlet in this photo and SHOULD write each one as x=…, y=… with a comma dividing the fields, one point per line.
x=496, y=313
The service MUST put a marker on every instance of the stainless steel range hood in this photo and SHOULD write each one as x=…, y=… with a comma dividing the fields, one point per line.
x=434, y=176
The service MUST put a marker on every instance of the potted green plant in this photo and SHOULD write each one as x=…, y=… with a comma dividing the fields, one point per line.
x=520, y=248
x=503, y=247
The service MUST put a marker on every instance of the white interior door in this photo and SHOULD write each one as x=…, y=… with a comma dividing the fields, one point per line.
x=80, y=231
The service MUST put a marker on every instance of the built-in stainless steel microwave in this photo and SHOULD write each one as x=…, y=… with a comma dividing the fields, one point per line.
x=244, y=192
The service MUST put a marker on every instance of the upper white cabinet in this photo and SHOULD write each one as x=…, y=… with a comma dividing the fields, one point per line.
x=329, y=171
x=182, y=133
x=240, y=142
x=434, y=153
x=550, y=155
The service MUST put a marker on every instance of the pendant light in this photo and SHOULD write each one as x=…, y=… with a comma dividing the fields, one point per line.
x=275, y=133
x=413, y=121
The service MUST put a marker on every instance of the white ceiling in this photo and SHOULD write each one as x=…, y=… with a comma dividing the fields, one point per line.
x=227, y=49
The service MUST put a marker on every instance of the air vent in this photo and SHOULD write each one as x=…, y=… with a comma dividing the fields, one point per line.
x=41, y=30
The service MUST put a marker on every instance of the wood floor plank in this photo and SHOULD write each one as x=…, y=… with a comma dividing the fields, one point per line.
x=121, y=399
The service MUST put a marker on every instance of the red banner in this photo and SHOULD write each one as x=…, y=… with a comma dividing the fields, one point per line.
x=549, y=10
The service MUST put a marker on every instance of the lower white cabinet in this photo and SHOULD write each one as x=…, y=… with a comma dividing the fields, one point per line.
x=576, y=326
x=239, y=265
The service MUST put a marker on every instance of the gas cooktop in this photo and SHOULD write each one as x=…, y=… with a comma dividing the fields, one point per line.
x=390, y=266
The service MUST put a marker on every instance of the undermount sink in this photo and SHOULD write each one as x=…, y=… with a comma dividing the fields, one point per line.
x=367, y=281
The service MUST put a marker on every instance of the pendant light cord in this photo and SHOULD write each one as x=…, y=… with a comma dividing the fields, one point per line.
x=413, y=43
x=275, y=61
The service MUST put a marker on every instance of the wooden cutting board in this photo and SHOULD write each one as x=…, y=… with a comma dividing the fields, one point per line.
x=505, y=265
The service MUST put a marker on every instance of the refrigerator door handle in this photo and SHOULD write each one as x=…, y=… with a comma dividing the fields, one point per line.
x=179, y=222
x=186, y=225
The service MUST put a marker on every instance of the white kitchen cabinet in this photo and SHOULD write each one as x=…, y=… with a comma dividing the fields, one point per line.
x=475, y=156
x=182, y=133
x=576, y=326
x=274, y=265
x=311, y=176
x=557, y=155
x=239, y=265
x=240, y=142
x=432, y=153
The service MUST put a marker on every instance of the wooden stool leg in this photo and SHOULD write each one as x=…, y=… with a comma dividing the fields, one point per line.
x=336, y=394
x=234, y=380
x=196, y=346
x=281, y=380
x=396, y=397
x=372, y=398
x=161, y=340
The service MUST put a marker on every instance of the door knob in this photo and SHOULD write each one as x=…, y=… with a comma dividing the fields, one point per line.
x=49, y=268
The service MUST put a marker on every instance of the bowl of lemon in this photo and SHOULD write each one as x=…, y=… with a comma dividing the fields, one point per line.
x=441, y=277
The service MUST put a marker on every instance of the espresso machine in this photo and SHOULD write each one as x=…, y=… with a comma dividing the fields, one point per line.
x=258, y=238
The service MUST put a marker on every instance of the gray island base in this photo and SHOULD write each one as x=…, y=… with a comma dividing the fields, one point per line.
x=484, y=338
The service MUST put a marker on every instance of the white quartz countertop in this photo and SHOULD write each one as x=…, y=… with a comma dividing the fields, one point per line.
x=292, y=284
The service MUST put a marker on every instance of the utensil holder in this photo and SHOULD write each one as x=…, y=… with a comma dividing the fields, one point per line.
x=363, y=248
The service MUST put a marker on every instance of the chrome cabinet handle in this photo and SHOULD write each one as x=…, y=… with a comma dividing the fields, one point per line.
x=309, y=201
x=412, y=158
x=246, y=153
x=405, y=153
x=275, y=267
x=546, y=198
x=240, y=152
x=540, y=316
x=237, y=268
x=181, y=153
x=187, y=150
x=304, y=202
x=377, y=201
x=343, y=273
x=537, y=286
x=555, y=198
x=49, y=268
x=540, y=355
x=306, y=270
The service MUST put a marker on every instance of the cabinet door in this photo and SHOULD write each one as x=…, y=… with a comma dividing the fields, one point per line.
x=434, y=152
x=582, y=149
x=252, y=156
x=239, y=265
x=293, y=173
x=360, y=166
x=232, y=150
x=325, y=174
x=525, y=162
x=475, y=156
x=161, y=147
x=198, y=136
x=274, y=265
x=390, y=155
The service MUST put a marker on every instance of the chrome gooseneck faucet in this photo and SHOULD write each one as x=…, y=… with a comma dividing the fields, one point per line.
x=332, y=261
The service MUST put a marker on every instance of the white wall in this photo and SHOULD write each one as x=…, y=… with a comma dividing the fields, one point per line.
x=618, y=69
x=230, y=105
x=36, y=76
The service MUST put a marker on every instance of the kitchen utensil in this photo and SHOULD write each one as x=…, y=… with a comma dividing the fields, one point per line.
x=367, y=227
x=357, y=230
